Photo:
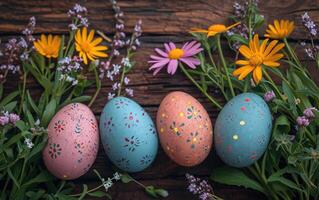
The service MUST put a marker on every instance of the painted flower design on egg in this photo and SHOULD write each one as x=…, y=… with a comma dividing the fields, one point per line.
x=152, y=129
x=121, y=103
x=131, y=120
x=55, y=150
x=146, y=159
x=93, y=124
x=108, y=124
x=59, y=126
x=193, y=139
x=176, y=128
x=123, y=163
x=78, y=128
x=193, y=113
x=132, y=143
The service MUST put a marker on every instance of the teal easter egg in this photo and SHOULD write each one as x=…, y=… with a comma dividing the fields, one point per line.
x=242, y=130
x=128, y=135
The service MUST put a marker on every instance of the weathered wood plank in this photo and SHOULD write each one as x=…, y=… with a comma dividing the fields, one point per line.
x=160, y=17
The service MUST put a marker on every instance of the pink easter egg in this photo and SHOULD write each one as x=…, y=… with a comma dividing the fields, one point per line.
x=184, y=129
x=73, y=141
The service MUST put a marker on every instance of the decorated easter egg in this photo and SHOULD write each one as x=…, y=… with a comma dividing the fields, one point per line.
x=184, y=129
x=73, y=142
x=242, y=130
x=128, y=135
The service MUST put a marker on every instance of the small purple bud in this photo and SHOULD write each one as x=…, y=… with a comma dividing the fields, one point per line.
x=269, y=96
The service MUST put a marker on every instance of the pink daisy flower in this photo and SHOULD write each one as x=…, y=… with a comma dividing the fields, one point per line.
x=172, y=55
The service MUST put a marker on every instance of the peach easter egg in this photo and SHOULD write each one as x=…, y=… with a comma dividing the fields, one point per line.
x=184, y=129
x=73, y=141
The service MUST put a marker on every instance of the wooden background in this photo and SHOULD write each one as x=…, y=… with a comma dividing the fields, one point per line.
x=163, y=21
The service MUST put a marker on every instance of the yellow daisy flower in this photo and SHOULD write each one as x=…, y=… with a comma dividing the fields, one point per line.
x=87, y=47
x=48, y=46
x=258, y=56
x=280, y=29
x=214, y=29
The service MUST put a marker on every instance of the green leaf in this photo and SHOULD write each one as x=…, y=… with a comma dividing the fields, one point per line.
x=126, y=178
x=9, y=98
x=38, y=148
x=161, y=192
x=31, y=102
x=97, y=194
x=10, y=106
x=43, y=177
x=21, y=125
x=284, y=181
x=13, y=178
x=233, y=176
x=282, y=125
x=48, y=113
x=150, y=191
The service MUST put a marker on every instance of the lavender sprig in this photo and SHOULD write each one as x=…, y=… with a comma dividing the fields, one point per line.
x=78, y=14
x=201, y=188
x=309, y=24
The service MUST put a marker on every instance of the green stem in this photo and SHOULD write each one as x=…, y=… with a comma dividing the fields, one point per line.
x=224, y=65
x=309, y=135
x=121, y=82
x=89, y=191
x=98, y=86
x=207, y=47
x=23, y=91
x=22, y=172
x=249, y=21
x=199, y=87
x=293, y=55
x=273, y=84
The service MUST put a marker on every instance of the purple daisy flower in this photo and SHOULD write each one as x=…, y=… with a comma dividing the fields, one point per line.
x=172, y=55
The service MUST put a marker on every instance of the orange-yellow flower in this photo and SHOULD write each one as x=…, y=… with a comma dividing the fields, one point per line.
x=87, y=47
x=215, y=29
x=258, y=55
x=48, y=46
x=280, y=29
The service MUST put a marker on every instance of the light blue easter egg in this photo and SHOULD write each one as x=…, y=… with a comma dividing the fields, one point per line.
x=242, y=130
x=128, y=135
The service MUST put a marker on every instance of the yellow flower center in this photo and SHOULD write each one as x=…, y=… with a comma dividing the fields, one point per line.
x=86, y=47
x=256, y=60
x=176, y=53
x=217, y=28
x=176, y=130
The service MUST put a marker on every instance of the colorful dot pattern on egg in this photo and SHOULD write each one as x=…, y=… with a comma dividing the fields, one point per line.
x=185, y=129
x=242, y=130
x=128, y=134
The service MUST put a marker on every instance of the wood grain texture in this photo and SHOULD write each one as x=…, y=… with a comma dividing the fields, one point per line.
x=163, y=20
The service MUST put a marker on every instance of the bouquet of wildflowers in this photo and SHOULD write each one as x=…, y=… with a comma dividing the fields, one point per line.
x=61, y=67
x=268, y=66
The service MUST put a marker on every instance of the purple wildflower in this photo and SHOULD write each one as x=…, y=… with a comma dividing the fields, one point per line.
x=14, y=118
x=269, y=96
x=126, y=80
x=129, y=92
x=4, y=120
x=303, y=121
x=172, y=55
x=308, y=112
